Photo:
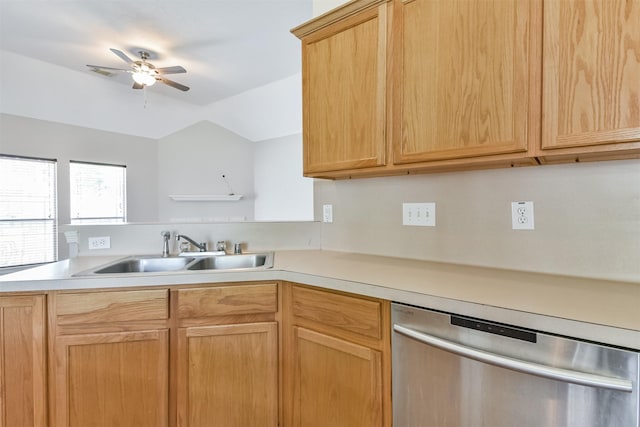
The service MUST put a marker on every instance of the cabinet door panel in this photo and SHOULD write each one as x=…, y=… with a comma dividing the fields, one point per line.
x=463, y=73
x=344, y=94
x=112, y=379
x=337, y=383
x=228, y=375
x=591, y=76
x=22, y=361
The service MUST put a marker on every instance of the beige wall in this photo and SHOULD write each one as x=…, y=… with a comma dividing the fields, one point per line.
x=587, y=218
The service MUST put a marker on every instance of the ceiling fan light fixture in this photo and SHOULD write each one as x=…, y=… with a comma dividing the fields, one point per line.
x=143, y=78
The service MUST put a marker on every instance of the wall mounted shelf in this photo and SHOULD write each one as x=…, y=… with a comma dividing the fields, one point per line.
x=206, y=197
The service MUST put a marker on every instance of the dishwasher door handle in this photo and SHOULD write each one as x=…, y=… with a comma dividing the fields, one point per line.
x=566, y=375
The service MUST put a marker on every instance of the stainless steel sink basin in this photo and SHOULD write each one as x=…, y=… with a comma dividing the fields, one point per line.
x=232, y=262
x=145, y=265
x=157, y=264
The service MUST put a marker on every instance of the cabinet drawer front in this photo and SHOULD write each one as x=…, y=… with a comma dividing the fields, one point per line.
x=340, y=311
x=228, y=300
x=120, y=306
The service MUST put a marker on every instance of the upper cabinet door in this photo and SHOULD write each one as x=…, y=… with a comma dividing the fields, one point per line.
x=591, y=76
x=343, y=68
x=465, y=77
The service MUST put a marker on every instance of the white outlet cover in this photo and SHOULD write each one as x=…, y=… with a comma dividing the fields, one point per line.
x=522, y=216
x=99, y=242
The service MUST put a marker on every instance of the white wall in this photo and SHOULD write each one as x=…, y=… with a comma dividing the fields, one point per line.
x=323, y=6
x=587, y=218
x=192, y=161
x=270, y=111
x=281, y=190
x=143, y=239
x=38, y=138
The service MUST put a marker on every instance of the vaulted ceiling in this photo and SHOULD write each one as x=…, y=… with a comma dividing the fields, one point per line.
x=228, y=47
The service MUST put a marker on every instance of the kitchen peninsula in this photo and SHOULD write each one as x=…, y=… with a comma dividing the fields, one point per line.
x=329, y=300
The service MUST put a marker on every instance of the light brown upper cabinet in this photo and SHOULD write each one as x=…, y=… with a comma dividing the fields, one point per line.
x=469, y=85
x=591, y=79
x=463, y=82
x=344, y=89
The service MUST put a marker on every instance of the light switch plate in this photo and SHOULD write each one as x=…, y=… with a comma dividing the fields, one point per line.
x=327, y=213
x=419, y=214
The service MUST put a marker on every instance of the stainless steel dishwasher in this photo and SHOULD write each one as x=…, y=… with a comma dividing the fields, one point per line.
x=456, y=371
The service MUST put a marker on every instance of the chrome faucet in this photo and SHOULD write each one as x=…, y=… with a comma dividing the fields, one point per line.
x=166, y=235
x=202, y=247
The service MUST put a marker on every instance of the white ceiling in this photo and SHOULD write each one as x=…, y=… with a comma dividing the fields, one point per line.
x=226, y=46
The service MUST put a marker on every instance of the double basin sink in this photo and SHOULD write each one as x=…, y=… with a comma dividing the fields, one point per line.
x=197, y=262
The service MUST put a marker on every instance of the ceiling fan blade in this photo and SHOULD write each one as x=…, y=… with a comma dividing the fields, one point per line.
x=100, y=67
x=171, y=70
x=137, y=86
x=173, y=84
x=123, y=56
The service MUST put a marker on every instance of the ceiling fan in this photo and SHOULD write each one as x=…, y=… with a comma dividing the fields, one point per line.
x=143, y=72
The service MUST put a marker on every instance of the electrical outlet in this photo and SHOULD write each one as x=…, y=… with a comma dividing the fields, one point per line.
x=522, y=216
x=419, y=214
x=99, y=242
x=327, y=213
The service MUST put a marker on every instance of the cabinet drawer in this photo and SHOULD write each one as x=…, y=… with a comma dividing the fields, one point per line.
x=340, y=311
x=119, y=306
x=228, y=300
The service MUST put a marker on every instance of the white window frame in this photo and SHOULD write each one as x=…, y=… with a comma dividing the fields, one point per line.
x=21, y=245
x=79, y=217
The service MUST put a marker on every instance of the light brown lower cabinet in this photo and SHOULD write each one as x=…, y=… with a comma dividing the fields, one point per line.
x=201, y=355
x=337, y=382
x=112, y=379
x=23, y=389
x=259, y=354
x=228, y=375
x=337, y=364
x=227, y=355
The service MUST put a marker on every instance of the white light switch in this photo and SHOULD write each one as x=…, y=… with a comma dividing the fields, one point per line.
x=419, y=214
x=327, y=213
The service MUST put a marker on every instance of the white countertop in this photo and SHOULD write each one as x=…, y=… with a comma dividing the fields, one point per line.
x=598, y=310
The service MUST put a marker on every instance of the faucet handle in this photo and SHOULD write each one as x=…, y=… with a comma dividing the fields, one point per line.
x=221, y=245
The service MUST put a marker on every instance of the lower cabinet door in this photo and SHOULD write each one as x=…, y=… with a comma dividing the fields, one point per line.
x=112, y=379
x=228, y=375
x=22, y=361
x=337, y=383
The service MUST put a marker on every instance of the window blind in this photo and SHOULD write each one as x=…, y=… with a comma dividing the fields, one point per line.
x=97, y=192
x=28, y=223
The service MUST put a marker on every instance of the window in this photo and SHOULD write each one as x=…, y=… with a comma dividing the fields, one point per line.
x=98, y=193
x=28, y=226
